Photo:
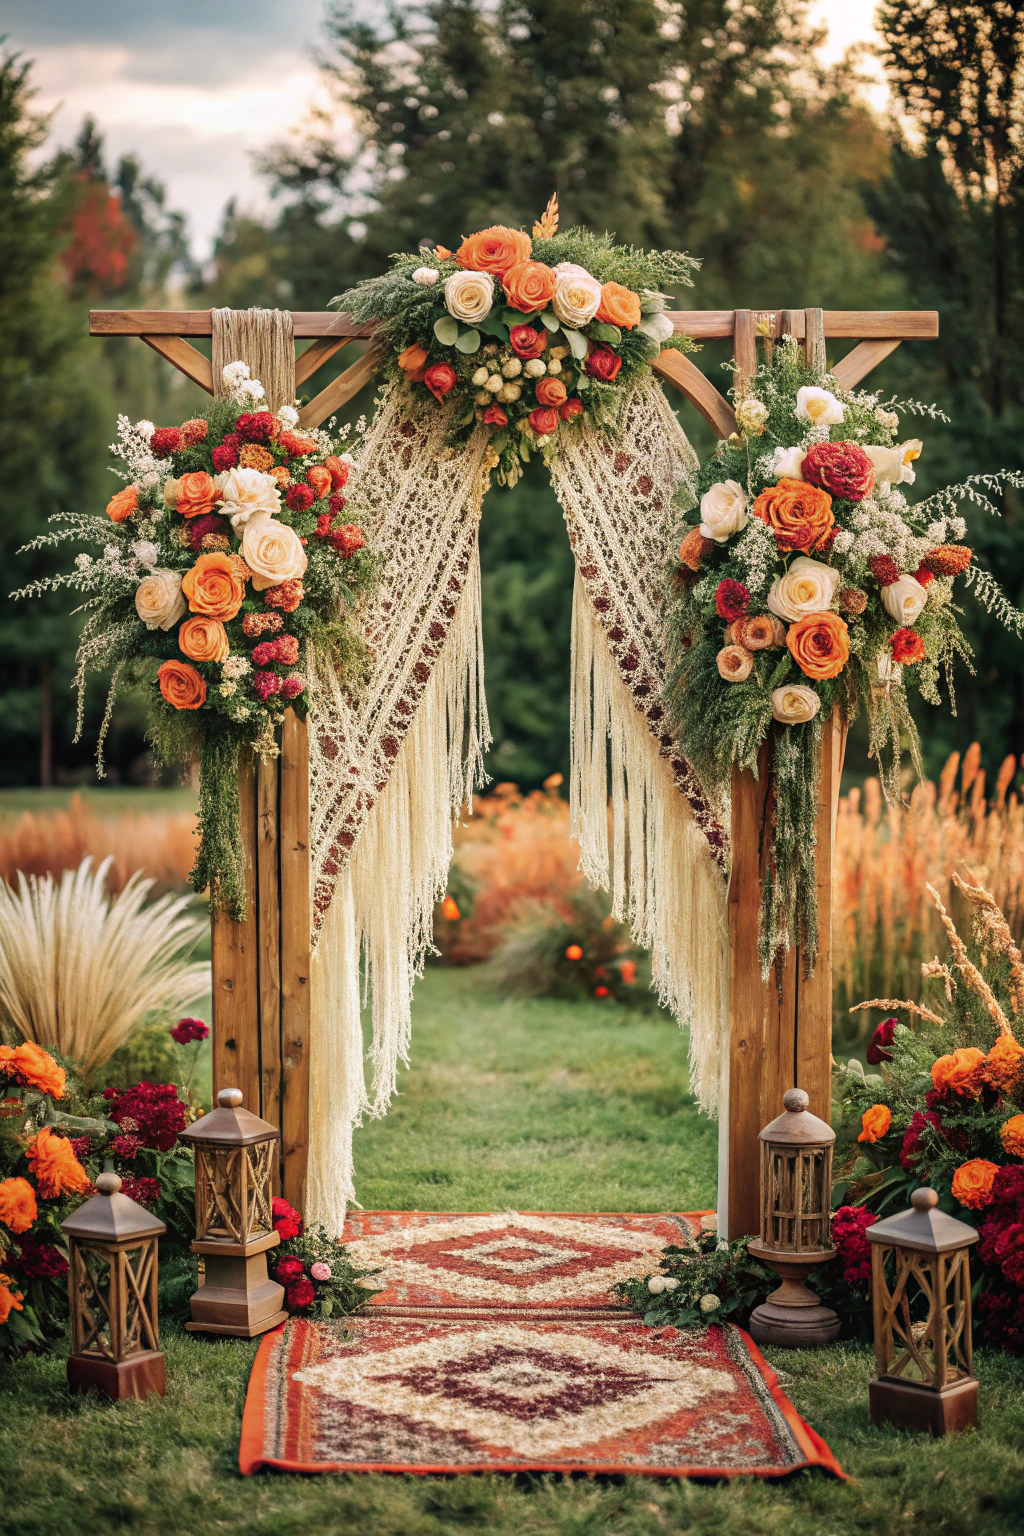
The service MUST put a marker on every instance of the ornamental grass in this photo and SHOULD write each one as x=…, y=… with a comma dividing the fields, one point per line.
x=80, y=969
x=161, y=846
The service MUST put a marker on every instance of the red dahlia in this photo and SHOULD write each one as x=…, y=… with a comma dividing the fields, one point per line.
x=288, y=1271
x=300, y=497
x=300, y=1295
x=165, y=441
x=732, y=600
x=907, y=647
x=256, y=426
x=154, y=1111
x=842, y=469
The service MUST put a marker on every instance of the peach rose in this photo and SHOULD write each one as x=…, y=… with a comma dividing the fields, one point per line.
x=18, y=1208
x=734, y=663
x=203, y=639
x=319, y=477
x=494, y=250
x=799, y=515
x=755, y=634
x=272, y=551
x=181, y=685
x=619, y=306
x=123, y=503
x=959, y=1073
x=197, y=494
x=158, y=600
x=875, y=1123
x=550, y=391
x=972, y=1183
x=819, y=644
x=529, y=286
x=215, y=585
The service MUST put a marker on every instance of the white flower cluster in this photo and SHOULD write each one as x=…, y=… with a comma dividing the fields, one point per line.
x=132, y=447
x=758, y=553
x=241, y=386
x=235, y=667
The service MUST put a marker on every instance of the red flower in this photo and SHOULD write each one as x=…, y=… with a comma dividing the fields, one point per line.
x=287, y=596
x=288, y=1271
x=544, y=420
x=602, y=363
x=125, y=1146
x=165, y=441
x=877, y=1051
x=570, y=408
x=884, y=569
x=264, y=653
x=338, y=471
x=287, y=650
x=732, y=600
x=225, y=455
x=347, y=539
x=155, y=1112
x=300, y=1295
x=924, y=575
x=292, y=686
x=527, y=342
x=849, y=1225
x=256, y=426
x=81, y=1146
x=907, y=646
x=266, y=684
x=287, y=1220
x=920, y=1122
x=600, y=991
x=42, y=1261
x=335, y=503
x=440, y=379
x=494, y=416
x=143, y=1191
x=206, y=522
x=300, y=497
x=843, y=469
x=187, y=1030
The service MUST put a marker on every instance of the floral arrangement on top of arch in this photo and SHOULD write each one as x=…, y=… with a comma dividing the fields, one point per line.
x=226, y=559
x=806, y=582
x=527, y=337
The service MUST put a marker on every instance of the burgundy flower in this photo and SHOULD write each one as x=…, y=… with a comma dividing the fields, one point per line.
x=288, y=1271
x=187, y=1030
x=849, y=1225
x=42, y=1260
x=920, y=1121
x=225, y=454
x=206, y=522
x=300, y=1295
x=165, y=441
x=336, y=503
x=126, y=1146
x=884, y=569
x=286, y=1218
x=143, y=1191
x=300, y=497
x=154, y=1111
x=842, y=469
x=877, y=1051
x=266, y=684
x=732, y=599
x=255, y=426
x=80, y=1145
x=292, y=686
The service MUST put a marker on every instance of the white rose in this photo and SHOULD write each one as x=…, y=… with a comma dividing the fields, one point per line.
x=658, y=327
x=272, y=551
x=807, y=587
x=469, y=295
x=425, y=276
x=576, y=300
x=818, y=406
x=723, y=510
x=904, y=599
x=892, y=465
x=145, y=429
x=787, y=463
x=146, y=553
x=245, y=492
x=795, y=703
x=159, y=602
x=570, y=269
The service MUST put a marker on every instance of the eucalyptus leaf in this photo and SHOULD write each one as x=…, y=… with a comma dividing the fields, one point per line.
x=609, y=333
x=583, y=382
x=577, y=342
x=494, y=326
x=446, y=330
x=550, y=321
x=468, y=342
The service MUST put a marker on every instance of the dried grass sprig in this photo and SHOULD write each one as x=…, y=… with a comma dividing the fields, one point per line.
x=990, y=929
x=968, y=970
x=902, y=1003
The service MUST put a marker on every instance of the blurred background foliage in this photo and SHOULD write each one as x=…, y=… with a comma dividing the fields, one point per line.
x=700, y=124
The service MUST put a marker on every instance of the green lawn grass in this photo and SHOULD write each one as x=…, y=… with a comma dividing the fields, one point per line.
x=534, y=1105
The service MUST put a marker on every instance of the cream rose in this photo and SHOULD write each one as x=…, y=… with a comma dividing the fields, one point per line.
x=819, y=406
x=272, y=551
x=892, y=465
x=570, y=269
x=723, y=510
x=576, y=300
x=158, y=600
x=904, y=599
x=807, y=587
x=788, y=463
x=247, y=492
x=794, y=704
x=469, y=295
x=171, y=492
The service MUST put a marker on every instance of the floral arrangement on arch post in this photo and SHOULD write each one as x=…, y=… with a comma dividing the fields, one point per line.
x=525, y=337
x=945, y=1107
x=808, y=582
x=226, y=559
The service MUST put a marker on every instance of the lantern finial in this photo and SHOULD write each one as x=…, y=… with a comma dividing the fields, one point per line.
x=795, y=1100
x=229, y=1098
x=108, y=1182
x=924, y=1199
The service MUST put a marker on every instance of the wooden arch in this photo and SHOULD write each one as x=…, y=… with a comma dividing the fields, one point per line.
x=777, y=1038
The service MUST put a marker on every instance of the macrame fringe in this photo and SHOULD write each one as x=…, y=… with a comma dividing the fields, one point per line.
x=262, y=338
x=656, y=861
x=383, y=909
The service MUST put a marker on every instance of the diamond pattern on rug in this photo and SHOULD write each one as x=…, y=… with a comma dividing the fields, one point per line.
x=515, y=1259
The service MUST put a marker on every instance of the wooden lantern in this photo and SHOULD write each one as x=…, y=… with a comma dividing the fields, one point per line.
x=796, y=1199
x=923, y=1325
x=234, y=1159
x=112, y=1282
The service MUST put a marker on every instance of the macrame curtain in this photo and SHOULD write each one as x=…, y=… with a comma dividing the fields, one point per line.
x=391, y=768
x=263, y=340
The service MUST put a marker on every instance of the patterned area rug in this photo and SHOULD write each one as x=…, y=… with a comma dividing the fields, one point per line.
x=496, y=1346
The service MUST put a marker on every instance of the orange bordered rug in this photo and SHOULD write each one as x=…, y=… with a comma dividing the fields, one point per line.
x=472, y=1359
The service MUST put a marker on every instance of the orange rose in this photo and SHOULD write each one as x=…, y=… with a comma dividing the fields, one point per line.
x=56, y=1168
x=319, y=477
x=10, y=1300
x=875, y=1123
x=18, y=1207
x=1011, y=1134
x=798, y=513
x=972, y=1183
x=1003, y=1064
x=494, y=250
x=123, y=504
x=413, y=363
x=215, y=586
x=203, y=639
x=181, y=685
x=819, y=644
x=619, y=306
x=34, y=1067
x=550, y=391
x=197, y=494
x=529, y=286
x=960, y=1073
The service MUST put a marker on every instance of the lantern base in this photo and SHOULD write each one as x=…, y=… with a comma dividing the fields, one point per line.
x=794, y=1327
x=142, y=1375
x=237, y=1297
x=912, y=1406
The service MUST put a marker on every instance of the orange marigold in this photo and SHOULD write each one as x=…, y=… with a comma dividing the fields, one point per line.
x=57, y=1170
x=960, y=1073
x=972, y=1183
x=18, y=1208
x=10, y=1300
x=875, y=1123
x=33, y=1067
x=694, y=548
x=1003, y=1064
x=1011, y=1134
x=798, y=513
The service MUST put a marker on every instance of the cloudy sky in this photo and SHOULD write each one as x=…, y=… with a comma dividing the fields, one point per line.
x=195, y=87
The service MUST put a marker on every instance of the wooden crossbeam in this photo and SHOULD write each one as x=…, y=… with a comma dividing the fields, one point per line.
x=340, y=390
x=701, y=393
x=184, y=357
x=858, y=363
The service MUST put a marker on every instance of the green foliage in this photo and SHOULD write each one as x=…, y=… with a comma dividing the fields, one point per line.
x=709, y=1281
x=342, y=1293
x=533, y=960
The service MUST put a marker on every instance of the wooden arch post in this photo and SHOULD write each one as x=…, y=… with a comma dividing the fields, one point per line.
x=261, y=966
